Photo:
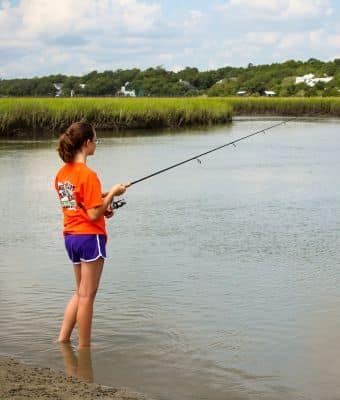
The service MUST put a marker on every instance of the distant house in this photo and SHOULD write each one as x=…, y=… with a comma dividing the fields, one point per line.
x=187, y=84
x=126, y=93
x=82, y=85
x=304, y=79
x=220, y=81
x=241, y=93
x=269, y=93
x=311, y=80
x=59, y=89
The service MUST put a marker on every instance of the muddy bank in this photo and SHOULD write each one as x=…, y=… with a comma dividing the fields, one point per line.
x=19, y=381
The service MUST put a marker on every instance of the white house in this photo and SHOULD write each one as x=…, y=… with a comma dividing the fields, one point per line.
x=186, y=84
x=304, y=79
x=311, y=80
x=82, y=85
x=241, y=93
x=325, y=79
x=269, y=93
x=59, y=89
x=126, y=93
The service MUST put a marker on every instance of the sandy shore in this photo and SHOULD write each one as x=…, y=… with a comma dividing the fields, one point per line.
x=19, y=381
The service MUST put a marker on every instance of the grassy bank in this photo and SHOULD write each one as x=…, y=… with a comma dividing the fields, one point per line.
x=53, y=115
x=290, y=106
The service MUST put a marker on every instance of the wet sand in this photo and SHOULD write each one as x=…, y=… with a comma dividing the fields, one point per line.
x=19, y=381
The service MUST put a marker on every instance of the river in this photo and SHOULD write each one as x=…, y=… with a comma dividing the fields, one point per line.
x=222, y=279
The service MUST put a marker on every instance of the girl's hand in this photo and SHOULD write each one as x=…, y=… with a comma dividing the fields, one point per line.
x=109, y=212
x=120, y=188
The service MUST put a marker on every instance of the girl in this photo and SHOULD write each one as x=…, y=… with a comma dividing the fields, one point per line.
x=84, y=207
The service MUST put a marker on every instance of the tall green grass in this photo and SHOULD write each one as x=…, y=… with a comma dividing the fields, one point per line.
x=53, y=115
x=50, y=115
x=312, y=106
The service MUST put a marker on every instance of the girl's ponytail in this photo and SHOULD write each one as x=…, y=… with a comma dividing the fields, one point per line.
x=72, y=140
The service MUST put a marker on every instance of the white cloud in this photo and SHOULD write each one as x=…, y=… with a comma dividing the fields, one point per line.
x=282, y=45
x=264, y=5
x=279, y=8
x=334, y=40
x=189, y=51
x=39, y=17
x=38, y=37
x=307, y=8
x=177, y=68
x=165, y=57
x=294, y=40
x=44, y=18
x=263, y=38
x=75, y=30
x=193, y=19
x=313, y=41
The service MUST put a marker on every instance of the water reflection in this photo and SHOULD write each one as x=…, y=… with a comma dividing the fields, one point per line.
x=221, y=277
x=78, y=365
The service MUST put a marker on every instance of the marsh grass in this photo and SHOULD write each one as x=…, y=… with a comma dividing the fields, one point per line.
x=290, y=106
x=53, y=115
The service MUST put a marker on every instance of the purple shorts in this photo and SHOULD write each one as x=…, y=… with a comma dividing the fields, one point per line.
x=85, y=248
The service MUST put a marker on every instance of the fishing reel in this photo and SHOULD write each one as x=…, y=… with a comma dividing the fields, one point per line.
x=115, y=204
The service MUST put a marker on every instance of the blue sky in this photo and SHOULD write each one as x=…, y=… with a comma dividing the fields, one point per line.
x=41, y=37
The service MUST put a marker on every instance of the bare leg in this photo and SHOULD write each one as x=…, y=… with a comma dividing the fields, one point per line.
x=85, y=370
x=90, y=277
x=70, y=313
x=70, y=359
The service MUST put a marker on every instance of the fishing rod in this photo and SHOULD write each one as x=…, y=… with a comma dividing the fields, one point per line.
x=120, y=203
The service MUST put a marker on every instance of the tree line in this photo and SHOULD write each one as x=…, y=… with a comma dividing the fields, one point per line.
x=252, y=80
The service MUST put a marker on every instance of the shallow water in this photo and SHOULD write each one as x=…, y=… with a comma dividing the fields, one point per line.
x=223, y=277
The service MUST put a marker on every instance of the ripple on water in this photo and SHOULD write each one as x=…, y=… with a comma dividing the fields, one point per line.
x=221, y=281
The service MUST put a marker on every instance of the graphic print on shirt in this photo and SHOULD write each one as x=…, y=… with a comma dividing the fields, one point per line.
x=65, y=191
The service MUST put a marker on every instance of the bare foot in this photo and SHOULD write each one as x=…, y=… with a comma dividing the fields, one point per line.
x=93, y=346
x=61, y=341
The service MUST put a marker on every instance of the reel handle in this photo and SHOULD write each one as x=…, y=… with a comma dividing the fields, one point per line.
x=117, y=204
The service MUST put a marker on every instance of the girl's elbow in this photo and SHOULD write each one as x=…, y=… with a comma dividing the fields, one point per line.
x=93, y=216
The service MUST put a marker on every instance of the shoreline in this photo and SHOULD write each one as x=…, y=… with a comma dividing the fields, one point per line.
x=54, y=115
x=19, y=381
x=49, y=116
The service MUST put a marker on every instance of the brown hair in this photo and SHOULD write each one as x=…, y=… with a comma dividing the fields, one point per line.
x=72, y=140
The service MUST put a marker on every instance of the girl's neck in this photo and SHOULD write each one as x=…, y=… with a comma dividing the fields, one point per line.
x=80, y=158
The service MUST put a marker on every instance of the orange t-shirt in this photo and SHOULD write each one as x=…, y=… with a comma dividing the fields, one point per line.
x=79, y=189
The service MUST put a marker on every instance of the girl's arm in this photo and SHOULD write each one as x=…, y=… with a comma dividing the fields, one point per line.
x=116, y=190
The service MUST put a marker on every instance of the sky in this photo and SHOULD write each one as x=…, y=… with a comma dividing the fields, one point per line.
x=75, y=37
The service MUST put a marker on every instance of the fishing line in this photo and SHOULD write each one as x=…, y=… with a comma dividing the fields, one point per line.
x=197, y=157
x=120, y=203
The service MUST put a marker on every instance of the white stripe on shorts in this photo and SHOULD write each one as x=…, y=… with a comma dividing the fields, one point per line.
x=99, y=253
